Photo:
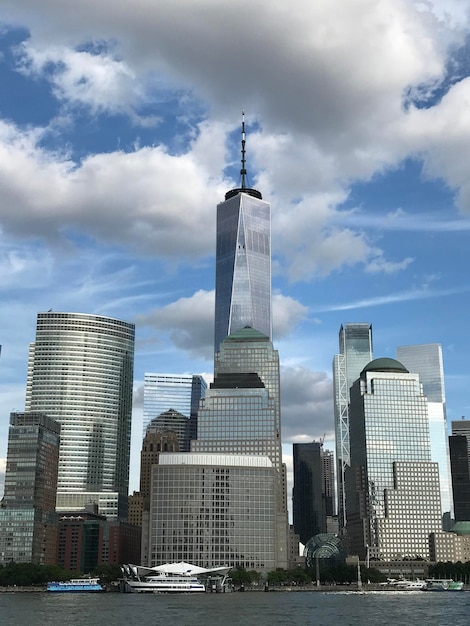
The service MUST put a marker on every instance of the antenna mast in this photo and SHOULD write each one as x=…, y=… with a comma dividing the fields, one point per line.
x=243, y=170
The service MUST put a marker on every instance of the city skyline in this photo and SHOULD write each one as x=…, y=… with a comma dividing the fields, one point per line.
x=109, y=193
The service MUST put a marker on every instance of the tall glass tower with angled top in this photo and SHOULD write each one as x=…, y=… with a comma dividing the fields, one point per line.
x=243, y=261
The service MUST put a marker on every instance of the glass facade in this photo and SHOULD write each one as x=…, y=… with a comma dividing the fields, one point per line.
x=27, y=521
x=392, y=487
x=243, y=266
x=80, y=373
x=214, y=509
x=355, y=351
x=179, y=392
x=426, y=360
x=308, y=500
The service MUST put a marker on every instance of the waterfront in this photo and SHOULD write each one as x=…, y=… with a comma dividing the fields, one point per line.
x=235, y=609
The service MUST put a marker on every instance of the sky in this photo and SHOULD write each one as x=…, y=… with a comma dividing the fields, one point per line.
x=120, y=133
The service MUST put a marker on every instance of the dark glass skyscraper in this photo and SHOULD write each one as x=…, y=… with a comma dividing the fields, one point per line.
x=308, y=501
x=243, y=261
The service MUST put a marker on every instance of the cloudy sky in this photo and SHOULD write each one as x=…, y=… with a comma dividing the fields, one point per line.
x=119, y=134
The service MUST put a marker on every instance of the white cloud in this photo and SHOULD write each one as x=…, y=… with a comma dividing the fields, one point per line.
x=189, y=321
x=307, y=405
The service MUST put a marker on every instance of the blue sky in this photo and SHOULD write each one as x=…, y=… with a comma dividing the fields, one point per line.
x=119, y=134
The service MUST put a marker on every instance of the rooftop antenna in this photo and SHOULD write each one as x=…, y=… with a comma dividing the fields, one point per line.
x=243, y=170
x=243, y=174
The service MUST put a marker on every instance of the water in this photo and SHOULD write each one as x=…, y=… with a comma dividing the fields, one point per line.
x=386, y=608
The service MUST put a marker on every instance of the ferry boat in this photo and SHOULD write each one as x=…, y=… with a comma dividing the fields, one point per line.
x=76, y=585
x=172, y=578
x=442, y=584
x=409, y=585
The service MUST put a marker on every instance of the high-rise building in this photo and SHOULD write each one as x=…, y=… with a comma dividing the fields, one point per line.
x=175, y=422
x=328, y=477
x=215, y=509
x=392, y=487
x=224, y=503
x=308, y=498
x=458, y=445
x=80, y=373
x=241, y=410
x=426, y=360
x=28, y=527
x=243, y=261
x=460, y=471
x=355, y=351
x=177, y=392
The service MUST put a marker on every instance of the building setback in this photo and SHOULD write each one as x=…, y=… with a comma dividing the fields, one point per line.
x=80, y=373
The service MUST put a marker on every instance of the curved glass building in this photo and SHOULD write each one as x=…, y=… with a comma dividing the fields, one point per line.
x=80, y=373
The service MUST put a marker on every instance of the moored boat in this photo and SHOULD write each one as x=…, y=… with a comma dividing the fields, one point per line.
x=173, y=578
x=76, y=585
x=442, y=584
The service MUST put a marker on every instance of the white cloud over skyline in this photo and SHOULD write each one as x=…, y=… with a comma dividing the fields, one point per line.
x=119, y=134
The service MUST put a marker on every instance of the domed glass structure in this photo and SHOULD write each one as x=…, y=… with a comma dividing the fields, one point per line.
x=324, y=546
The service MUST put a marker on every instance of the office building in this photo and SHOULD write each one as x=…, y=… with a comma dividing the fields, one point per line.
x=215, y=509
x=243, y=261
x=27, y=520
x=328, y=478
x=392, y=487
x=176, y=392
x=87, y=539
x=460, y=466
x=80, y=373
x=426, y=360
x=355, y=351
x=175, y=422
x=308, y=497
x=462, y=427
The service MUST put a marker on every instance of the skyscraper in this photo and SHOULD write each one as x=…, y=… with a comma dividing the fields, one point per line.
x=392, y=486
x=179, y=392
x=243, y=261
x=80, y=373
x=460, y=459
x=355, y=351
x=308, y=498
x=458, y=445
x=27, y=521
x=426, y=360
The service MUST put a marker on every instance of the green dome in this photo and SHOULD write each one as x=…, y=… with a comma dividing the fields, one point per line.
x=385, y=365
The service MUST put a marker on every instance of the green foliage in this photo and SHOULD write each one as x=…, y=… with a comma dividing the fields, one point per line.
x=28, y=574
x=107, y=572
x=457, y=571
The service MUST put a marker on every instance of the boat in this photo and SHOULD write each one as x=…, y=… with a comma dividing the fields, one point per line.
x=442, y=584
x=76, y=585
x=173, y=578
x=163, y=582
x=403, y=584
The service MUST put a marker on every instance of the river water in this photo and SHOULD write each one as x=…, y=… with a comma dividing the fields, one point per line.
x=387, y=608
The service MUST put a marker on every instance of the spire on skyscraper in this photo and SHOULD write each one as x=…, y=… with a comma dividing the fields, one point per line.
x=243, y=173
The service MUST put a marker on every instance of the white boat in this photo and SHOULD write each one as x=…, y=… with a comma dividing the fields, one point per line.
x=165, y=583
x=173, y=578
x=443, y=584
x=407, y=585
x=76, y=585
